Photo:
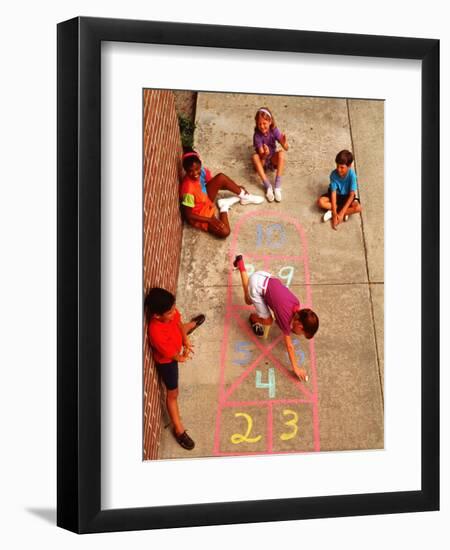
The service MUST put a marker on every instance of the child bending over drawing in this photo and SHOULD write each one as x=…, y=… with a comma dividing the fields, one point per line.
x=264, y=292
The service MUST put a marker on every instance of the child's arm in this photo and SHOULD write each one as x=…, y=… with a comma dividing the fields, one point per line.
x=187, y=210
x=335, y=219
x=213, y=222
x=263, y=151
x=208, y=175
x=187, y=346
x=260, y=147
x=301, y=373
x=184, y=356
x=283, y=142
x=348, y=202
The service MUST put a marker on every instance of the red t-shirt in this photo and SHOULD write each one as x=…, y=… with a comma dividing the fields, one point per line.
x=165, y=338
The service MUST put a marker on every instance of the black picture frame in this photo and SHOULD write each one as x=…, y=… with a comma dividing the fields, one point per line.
x=79, y=276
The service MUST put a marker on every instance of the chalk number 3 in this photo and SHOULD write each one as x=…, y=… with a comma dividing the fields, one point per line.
x=292, y=422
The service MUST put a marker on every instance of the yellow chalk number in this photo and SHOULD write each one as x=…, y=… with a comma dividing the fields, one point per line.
x=292, y=422
x=239, y=438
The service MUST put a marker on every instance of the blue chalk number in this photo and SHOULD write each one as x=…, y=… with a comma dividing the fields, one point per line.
x=270, y=385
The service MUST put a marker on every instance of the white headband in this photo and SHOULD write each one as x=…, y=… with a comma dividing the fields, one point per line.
x=266, y=112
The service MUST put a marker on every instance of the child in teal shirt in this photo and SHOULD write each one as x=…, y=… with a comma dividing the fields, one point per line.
x=341, y=201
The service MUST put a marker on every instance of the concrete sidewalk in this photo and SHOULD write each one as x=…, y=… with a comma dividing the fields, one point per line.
x=238, y=395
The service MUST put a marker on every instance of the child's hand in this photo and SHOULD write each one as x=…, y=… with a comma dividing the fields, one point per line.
x=188, y=350
x=265, y=150
x=301, y=373
x=335, y=221
x=216, y=224
x=340, y=218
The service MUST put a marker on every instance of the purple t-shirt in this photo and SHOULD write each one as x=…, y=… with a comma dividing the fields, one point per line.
x=282, y=302
x=270, y=140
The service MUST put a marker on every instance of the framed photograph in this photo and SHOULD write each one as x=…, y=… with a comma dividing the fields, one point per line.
x=267, y=202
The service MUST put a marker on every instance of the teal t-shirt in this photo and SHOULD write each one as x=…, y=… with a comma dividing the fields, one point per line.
x=343, y=186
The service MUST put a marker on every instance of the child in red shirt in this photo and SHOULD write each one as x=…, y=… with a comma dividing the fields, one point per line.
x=169, y=340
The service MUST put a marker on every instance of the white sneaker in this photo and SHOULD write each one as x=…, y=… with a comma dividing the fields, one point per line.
x=251, y=199
x=225, y=204
x=327, y=216
x=277, y=194
x=269, y=194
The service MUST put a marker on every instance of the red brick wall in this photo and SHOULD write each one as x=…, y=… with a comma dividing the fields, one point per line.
x=162, y=233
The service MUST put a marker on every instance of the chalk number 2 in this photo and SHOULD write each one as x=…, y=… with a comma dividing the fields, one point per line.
x=239, y=438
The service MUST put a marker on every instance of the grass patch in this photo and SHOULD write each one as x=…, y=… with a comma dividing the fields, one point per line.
x=187, y=128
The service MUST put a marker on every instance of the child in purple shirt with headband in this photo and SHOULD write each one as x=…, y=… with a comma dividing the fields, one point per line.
x=266, y=156
x=264, y=292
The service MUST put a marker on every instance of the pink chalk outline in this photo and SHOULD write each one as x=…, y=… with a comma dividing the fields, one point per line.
x=265, y=354
x=232, y=313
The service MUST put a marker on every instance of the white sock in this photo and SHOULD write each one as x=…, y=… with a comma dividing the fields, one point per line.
x=242, y=193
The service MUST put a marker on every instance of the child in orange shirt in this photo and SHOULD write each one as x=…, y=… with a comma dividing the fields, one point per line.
x=198, y=192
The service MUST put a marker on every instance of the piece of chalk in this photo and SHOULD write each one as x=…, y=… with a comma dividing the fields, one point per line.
x=306, y=379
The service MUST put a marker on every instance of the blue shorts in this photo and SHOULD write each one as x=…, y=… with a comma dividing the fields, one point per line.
x=169, y=374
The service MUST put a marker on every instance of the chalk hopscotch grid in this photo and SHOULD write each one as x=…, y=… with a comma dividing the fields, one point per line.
x=232, y=313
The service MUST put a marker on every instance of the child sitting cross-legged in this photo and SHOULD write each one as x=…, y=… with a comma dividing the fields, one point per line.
x=341, y=201
x=168, y=337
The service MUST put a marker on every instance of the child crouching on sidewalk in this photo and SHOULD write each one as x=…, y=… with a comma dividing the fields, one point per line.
x=264, y=292
x=170, y=344
x=266, y=157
